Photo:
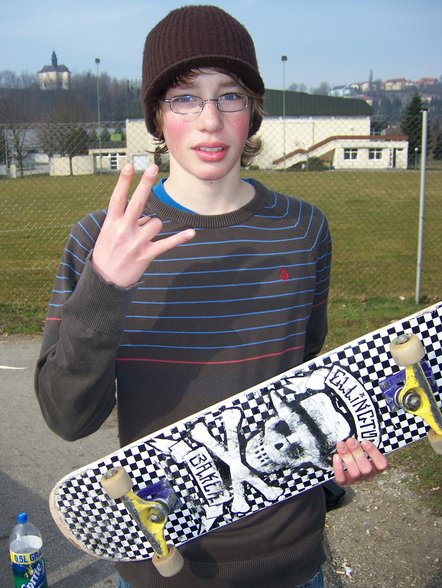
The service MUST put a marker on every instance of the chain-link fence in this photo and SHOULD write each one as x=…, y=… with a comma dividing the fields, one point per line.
x=364, y=175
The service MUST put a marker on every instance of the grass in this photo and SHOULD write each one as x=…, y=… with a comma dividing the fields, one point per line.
x=373, y=218
x=21, y=318
x=349, y=320
x=374, y=222
x=37, y=215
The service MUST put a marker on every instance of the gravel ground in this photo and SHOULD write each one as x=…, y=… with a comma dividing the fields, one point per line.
x=382, y=536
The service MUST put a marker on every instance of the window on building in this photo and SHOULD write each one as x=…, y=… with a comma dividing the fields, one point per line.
x=375, y=153
x=350, y=153
x=114, y=161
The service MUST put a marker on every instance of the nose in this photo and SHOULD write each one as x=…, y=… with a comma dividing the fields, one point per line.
x=210, y=119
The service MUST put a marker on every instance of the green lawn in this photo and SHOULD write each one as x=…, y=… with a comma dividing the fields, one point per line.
x=373, y=218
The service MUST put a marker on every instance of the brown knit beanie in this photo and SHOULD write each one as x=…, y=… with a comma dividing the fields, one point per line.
x=192, y=37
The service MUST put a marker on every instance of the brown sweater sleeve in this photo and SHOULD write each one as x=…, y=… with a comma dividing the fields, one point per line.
x=75, y=373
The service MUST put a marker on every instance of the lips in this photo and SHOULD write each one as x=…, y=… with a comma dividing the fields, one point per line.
x=211, y=152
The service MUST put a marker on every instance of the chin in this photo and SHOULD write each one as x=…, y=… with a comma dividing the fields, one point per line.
x=212, y=173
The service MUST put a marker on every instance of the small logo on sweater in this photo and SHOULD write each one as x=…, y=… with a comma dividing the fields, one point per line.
x=284, y=275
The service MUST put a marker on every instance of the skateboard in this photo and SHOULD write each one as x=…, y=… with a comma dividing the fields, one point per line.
x=258, y=448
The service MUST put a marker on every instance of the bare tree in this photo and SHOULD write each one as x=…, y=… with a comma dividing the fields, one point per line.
x=12, y=111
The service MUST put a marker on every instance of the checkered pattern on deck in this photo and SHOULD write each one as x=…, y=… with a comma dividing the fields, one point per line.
x=104, y=526
x=370, y=360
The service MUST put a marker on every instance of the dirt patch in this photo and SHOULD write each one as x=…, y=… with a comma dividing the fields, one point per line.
x=383, y=536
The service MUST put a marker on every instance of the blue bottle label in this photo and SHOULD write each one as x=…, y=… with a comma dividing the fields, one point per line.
x=27, y=573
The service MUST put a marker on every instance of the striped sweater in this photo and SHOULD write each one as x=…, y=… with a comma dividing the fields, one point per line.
x=241, y=302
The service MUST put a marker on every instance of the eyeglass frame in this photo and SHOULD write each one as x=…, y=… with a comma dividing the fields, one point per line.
x=201, y=104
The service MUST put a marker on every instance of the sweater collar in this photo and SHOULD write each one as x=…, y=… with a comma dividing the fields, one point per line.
x=182, y=217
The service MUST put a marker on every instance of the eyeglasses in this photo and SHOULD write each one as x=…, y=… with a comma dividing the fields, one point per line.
x=194, y=104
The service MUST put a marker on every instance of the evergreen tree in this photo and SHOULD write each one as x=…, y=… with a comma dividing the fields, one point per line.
x=411, y=125
x=437, y=152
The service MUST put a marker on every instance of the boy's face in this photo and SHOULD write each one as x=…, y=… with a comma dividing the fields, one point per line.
x=207, y=145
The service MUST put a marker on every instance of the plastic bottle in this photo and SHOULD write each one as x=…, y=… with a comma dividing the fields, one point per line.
x=25, y=547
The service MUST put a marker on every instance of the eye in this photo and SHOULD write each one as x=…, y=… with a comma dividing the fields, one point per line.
x=282, y=428
x=231, y=97
x=186, y=99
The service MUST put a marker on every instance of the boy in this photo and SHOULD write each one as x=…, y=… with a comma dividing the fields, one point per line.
x=200, y=287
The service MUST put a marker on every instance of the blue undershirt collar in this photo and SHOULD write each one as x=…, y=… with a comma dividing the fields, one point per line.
x=160, y=192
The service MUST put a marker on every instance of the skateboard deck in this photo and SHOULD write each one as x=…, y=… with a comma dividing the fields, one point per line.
x=253, y=450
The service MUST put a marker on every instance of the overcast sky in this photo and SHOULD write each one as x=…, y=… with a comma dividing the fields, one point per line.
x=336, y=41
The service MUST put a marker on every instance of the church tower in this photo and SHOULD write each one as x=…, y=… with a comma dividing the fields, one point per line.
x=54, y=76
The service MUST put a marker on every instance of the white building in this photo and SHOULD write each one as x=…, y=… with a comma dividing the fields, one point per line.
x=54, y=76
x=338, y=143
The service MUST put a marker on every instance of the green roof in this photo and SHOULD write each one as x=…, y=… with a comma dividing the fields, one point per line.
x=302, y=104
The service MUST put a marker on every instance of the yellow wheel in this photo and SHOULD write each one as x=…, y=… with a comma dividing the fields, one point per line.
x=116, y=482
x=407, y=350
x=169, y=565
x=435, y=441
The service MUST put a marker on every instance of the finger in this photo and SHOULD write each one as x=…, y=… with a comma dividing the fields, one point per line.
x=118, y=200
x=162, y=245
x=139, y=197
x=143, y=220
x=354, y=459
x=378, y=460
x=339, y=471
x=149, y=228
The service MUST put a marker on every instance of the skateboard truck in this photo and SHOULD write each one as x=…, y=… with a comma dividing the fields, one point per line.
x=412, y=389
x=150, y=508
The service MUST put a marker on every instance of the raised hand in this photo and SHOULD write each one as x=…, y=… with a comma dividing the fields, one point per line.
x=124, y=248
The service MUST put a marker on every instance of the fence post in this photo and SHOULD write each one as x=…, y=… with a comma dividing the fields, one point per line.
x=420, y=244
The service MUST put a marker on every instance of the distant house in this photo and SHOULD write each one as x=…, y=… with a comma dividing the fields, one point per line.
x=398, y=84
x=340, y=91
x=360, y=87
x=54, y=76
x=425, y=82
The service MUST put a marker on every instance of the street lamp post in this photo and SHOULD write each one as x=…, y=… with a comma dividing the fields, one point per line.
x=6, y=149
x=283, y=59
x=97, y=62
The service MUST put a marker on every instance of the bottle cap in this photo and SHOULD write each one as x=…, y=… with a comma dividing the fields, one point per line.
x=22, y=518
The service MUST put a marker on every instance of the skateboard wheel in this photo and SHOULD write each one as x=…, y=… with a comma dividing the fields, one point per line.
x=169, y=565
x=407, y=350
x=116, y=482
x=435, y=441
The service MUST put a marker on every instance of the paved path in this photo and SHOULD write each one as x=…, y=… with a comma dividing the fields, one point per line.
x=32, y=459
